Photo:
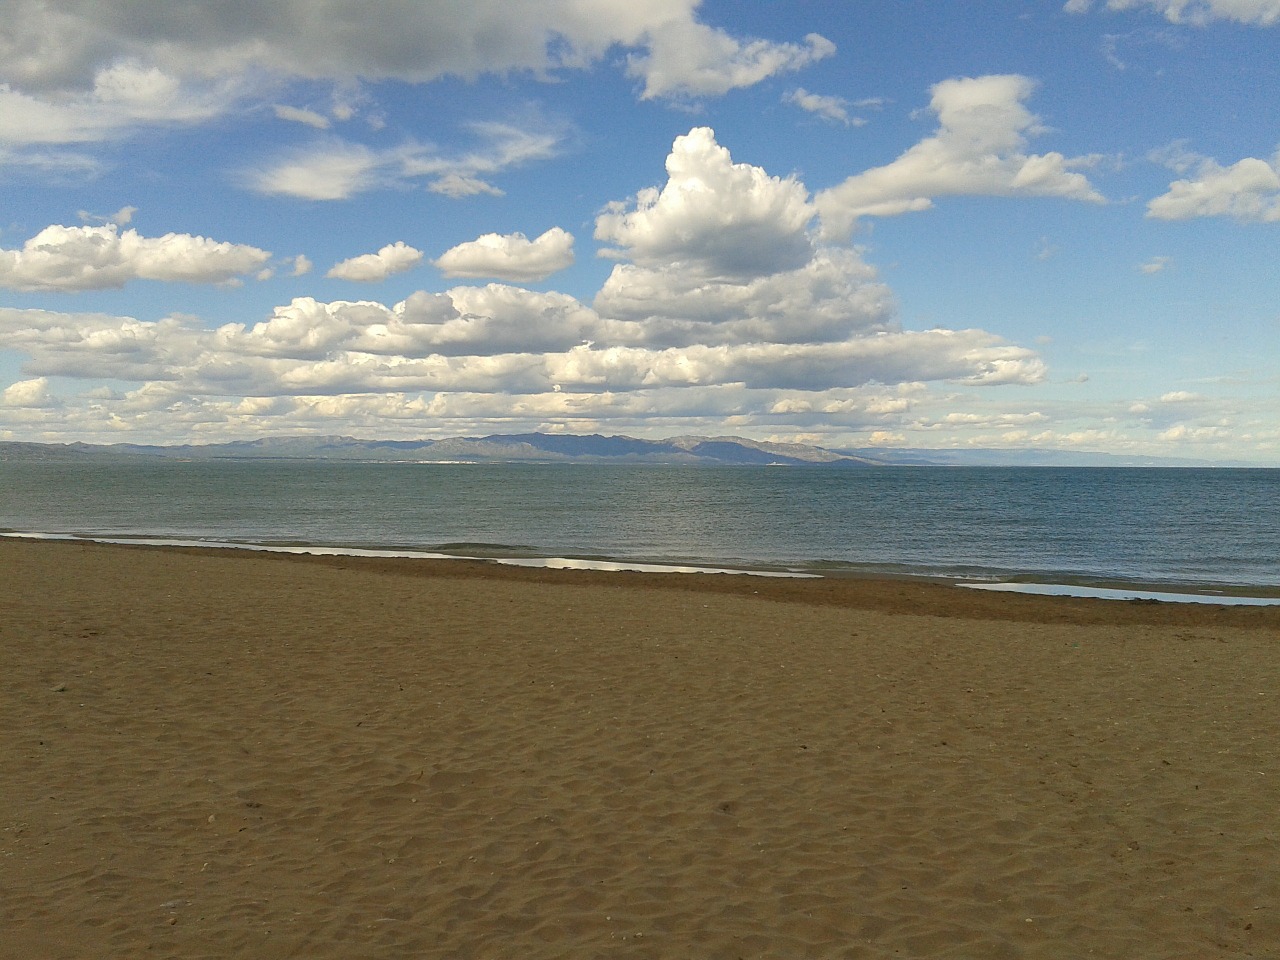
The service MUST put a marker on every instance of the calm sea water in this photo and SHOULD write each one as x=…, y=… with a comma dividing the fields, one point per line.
x=1184, y=526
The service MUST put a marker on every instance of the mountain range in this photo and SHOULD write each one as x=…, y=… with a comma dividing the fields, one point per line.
x=574, y=448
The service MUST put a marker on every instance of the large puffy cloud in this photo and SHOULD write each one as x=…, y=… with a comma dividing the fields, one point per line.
x=95, y=258
x=714, y=217
x=978, y=149
x=27, y=394
x=372, y=267
x=464, y=321
x=1248, y=190
x=511, y=256
x=722, y=254
x=1261, y=12
x=832, y=296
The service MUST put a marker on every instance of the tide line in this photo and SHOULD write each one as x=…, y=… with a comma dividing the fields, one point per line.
x=1122, y=593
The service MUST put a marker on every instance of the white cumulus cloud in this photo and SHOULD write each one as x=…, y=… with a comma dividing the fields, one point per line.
x=1248, y=190
x=372, y=267
x=103, y=257
x=27, y=394
x=831, y=297
x=722, y=255
x=978, y=149
x=511, y=256
x=714, y=217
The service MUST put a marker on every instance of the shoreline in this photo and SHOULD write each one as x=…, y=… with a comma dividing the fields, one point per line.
x=890, y=593
x=1078, y=586
x=223, y=754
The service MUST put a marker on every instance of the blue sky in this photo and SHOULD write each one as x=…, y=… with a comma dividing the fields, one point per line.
x=855, y=224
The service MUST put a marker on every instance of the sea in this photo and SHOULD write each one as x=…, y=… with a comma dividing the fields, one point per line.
x=1203, y=531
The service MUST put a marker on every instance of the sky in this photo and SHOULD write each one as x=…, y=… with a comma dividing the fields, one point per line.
x=856, y=224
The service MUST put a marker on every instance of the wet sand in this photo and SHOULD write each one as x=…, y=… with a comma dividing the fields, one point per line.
x=223, y=754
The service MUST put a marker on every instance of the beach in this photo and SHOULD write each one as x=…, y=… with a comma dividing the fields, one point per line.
x=218, y=753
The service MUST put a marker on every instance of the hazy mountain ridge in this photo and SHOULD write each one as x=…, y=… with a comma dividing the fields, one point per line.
x=532, y=447
x=575, y=448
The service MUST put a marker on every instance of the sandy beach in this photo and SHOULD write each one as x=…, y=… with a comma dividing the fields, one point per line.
x=224, y=754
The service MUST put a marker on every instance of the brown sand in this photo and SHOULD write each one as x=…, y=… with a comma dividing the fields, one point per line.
x=208, y=754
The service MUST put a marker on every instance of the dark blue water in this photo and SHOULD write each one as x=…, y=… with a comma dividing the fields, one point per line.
x=1188, y=526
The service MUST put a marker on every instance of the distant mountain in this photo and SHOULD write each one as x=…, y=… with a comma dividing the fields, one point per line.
x=575, y=448
x=531, y=447
x=61, y=452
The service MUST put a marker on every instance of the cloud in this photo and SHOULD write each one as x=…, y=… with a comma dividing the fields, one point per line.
x=414, y=42
x=312, y=348
x=714, y=217
x=80, y=73
x=300, y=115
x=120, y=68
x=1154, y=265
x=334, y=169
x=459, y=185
x=466, y=321
x=835, y=109
x=1263, y=13
x=157, y=408
x=886, y=358
x=501, y=147
x=1248, y=190
x=833, y=296
x=27, y=394
x=511, y=256
x=373, y=267
x=721, y=304
x=121, y=218
x=52, y=165
x=979, y=149
x=97, y=258
x=689, y=59
x=123, y=95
